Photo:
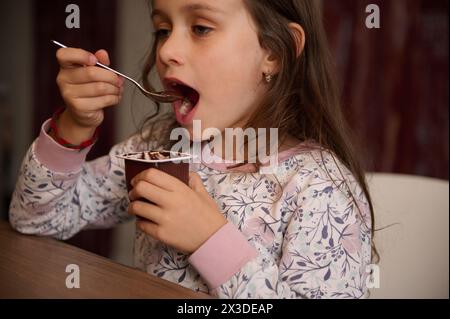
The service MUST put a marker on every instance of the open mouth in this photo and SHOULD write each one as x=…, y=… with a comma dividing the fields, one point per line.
x=191, y=96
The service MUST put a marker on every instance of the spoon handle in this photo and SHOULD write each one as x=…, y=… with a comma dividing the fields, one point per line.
x=98, y=63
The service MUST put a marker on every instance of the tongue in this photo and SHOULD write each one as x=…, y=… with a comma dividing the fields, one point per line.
x=186, y=107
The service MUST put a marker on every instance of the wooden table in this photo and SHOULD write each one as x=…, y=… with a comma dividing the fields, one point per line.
x=35, y=267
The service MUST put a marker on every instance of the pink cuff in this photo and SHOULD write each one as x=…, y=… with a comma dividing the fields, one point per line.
x=222, y=255
x=56, y=157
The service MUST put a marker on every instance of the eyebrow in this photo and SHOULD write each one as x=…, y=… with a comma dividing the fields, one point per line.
x=188, y=8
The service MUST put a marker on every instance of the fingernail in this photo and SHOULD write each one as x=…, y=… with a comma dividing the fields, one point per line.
x=120, y=81
x=93, y=60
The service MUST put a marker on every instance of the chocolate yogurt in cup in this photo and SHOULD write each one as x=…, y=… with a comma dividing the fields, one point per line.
x=175, y=164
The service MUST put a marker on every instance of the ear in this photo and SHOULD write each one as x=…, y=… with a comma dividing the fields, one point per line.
x=299, y=36
x=270, y=64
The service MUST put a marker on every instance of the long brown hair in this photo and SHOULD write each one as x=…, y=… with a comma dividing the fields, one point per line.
x=303, y=100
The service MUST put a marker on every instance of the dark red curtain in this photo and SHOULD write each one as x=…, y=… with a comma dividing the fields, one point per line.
x=395, y=81
x=97, y=31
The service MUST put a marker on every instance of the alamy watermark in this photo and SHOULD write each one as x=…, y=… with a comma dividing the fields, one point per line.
x=73, y=19
x=372, y=279
x=373, y=20
x=229, y=147
x=73, y=280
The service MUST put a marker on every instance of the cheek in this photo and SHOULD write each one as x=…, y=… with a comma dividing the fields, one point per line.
x=231, y=87
x=231, y=76
x=233, y=61
x=237, y=68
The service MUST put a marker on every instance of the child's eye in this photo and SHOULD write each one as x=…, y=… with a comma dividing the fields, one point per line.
x=162, y=33
x=201, y=30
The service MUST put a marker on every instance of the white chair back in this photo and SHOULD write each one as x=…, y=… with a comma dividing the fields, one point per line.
x=415, y=250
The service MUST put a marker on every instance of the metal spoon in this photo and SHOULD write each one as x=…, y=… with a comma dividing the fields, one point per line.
x=162, y=97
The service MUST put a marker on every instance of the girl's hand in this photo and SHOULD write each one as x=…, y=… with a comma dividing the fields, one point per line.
x=182, y=217
x=86, y=90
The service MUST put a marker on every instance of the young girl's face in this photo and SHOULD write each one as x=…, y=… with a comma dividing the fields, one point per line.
x=211, y=47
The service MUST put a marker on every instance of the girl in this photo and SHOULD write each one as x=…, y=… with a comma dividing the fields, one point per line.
x=304, y=232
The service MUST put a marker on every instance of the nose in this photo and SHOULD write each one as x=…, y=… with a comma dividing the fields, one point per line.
x=171, y=49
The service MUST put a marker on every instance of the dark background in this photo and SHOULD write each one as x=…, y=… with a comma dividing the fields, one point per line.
x=394, y=82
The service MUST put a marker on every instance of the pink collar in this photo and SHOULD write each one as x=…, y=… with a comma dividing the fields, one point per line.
x=217, y=163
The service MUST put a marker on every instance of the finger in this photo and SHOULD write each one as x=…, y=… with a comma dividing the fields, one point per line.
x=94, y=89
x=151, y=192
x=103, y=57
x=196, y=183
x=149, y=228
x=96, y=103
x=90, y=74
x=145, y=210
x=160, y=179
x=70, y=57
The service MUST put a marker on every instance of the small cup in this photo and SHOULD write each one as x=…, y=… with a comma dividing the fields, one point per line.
x=172, y=163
